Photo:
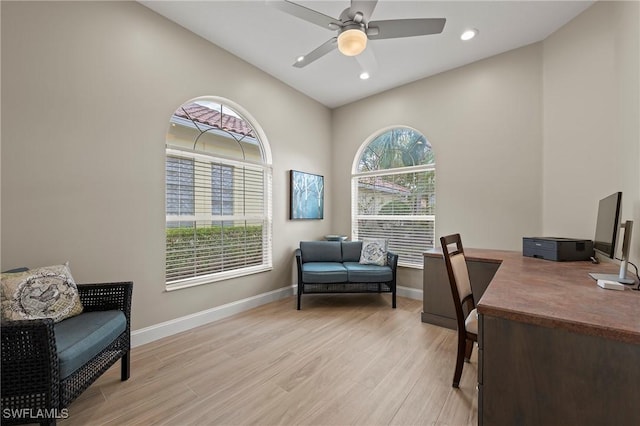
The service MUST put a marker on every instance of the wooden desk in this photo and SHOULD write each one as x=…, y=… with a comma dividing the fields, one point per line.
x=554, y=348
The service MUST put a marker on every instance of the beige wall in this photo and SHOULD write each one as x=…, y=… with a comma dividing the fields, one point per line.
x=484, y=122
x=87, y=92
x=591, y=78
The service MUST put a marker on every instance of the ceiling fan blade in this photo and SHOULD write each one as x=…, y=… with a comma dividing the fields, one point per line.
x=366, y=7
x=307, y=14
x=317, y=53
x=397, y=28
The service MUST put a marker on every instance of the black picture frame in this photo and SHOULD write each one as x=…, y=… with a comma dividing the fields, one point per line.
x=306, y=195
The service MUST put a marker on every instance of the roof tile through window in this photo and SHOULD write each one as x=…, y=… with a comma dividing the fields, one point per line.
x=213, y=118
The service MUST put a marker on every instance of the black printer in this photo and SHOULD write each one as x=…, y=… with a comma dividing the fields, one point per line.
x=557, y=249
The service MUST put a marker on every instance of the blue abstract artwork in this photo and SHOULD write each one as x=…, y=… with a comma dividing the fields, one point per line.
x=307, y=196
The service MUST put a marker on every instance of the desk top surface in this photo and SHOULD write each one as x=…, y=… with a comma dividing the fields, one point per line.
x=557, y=294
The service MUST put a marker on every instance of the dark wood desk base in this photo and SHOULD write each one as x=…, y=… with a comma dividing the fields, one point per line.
x=534, y=375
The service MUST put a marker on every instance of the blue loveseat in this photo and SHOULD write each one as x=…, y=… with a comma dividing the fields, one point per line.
x=334, y=267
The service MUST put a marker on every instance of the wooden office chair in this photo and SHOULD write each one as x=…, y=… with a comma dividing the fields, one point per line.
x=462, y=295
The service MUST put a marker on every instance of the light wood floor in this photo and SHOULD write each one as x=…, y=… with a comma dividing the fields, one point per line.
x=343, y=359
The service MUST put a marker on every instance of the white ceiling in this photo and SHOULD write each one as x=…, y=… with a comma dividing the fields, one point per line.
x=271, y=40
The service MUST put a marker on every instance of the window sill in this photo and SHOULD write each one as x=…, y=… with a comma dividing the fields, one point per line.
x=221, y=276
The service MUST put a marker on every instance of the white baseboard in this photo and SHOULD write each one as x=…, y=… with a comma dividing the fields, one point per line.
x=177, y=325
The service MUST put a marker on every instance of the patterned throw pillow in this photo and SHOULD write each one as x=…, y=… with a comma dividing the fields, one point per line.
x=47, y=292
x=374, y=251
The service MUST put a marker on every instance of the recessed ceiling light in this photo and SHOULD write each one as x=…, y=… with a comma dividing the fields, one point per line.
x=300, y=59
x=469, y=34
x=364, y=76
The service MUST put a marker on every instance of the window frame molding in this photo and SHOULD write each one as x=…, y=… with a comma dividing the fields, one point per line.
x=266, y=165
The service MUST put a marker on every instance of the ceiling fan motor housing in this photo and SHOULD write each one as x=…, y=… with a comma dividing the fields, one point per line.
x=348, y=16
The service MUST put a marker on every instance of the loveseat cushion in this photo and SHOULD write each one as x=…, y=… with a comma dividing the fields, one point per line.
x=324, y=272
x=321, y=251
x=359, y=273
x=351, y=251
x=82, y=337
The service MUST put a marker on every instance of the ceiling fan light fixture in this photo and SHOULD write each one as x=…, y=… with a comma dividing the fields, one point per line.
x=352, y=42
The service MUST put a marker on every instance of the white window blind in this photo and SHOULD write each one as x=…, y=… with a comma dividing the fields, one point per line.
x=393, y=197
x=227, y=229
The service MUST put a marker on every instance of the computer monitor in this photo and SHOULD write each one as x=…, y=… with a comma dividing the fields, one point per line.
x=604, y=243
x=607, y=225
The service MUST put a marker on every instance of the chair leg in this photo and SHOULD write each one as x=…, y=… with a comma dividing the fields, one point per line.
x=393, y=299
x=468, y=350
x=125, y=367
x=299, y=295
x=459, y=360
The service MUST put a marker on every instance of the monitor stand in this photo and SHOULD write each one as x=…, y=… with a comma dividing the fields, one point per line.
x=611, y=277
x=622, y=275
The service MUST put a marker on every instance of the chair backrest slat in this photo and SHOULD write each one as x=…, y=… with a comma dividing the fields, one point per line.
x=458, y=274
x=461, y=274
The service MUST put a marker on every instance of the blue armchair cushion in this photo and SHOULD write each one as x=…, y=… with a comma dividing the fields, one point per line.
x=321, y=251
x=359, y=273
x=351, y=251
x=82, y=337
x=324, y=272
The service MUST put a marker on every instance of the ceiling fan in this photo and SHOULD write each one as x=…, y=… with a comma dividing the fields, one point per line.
x=354, y=28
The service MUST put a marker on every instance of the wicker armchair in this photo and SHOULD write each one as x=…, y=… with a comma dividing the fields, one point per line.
x=32, y=391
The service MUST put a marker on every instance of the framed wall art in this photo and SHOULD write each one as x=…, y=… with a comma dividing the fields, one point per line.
x=306, y=195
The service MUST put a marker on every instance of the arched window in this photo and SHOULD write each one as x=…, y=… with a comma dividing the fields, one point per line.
x=218, y=194
x=394, y=193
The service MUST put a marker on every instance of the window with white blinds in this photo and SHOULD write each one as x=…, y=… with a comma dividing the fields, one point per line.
x=393, y=193
x=218, y=197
